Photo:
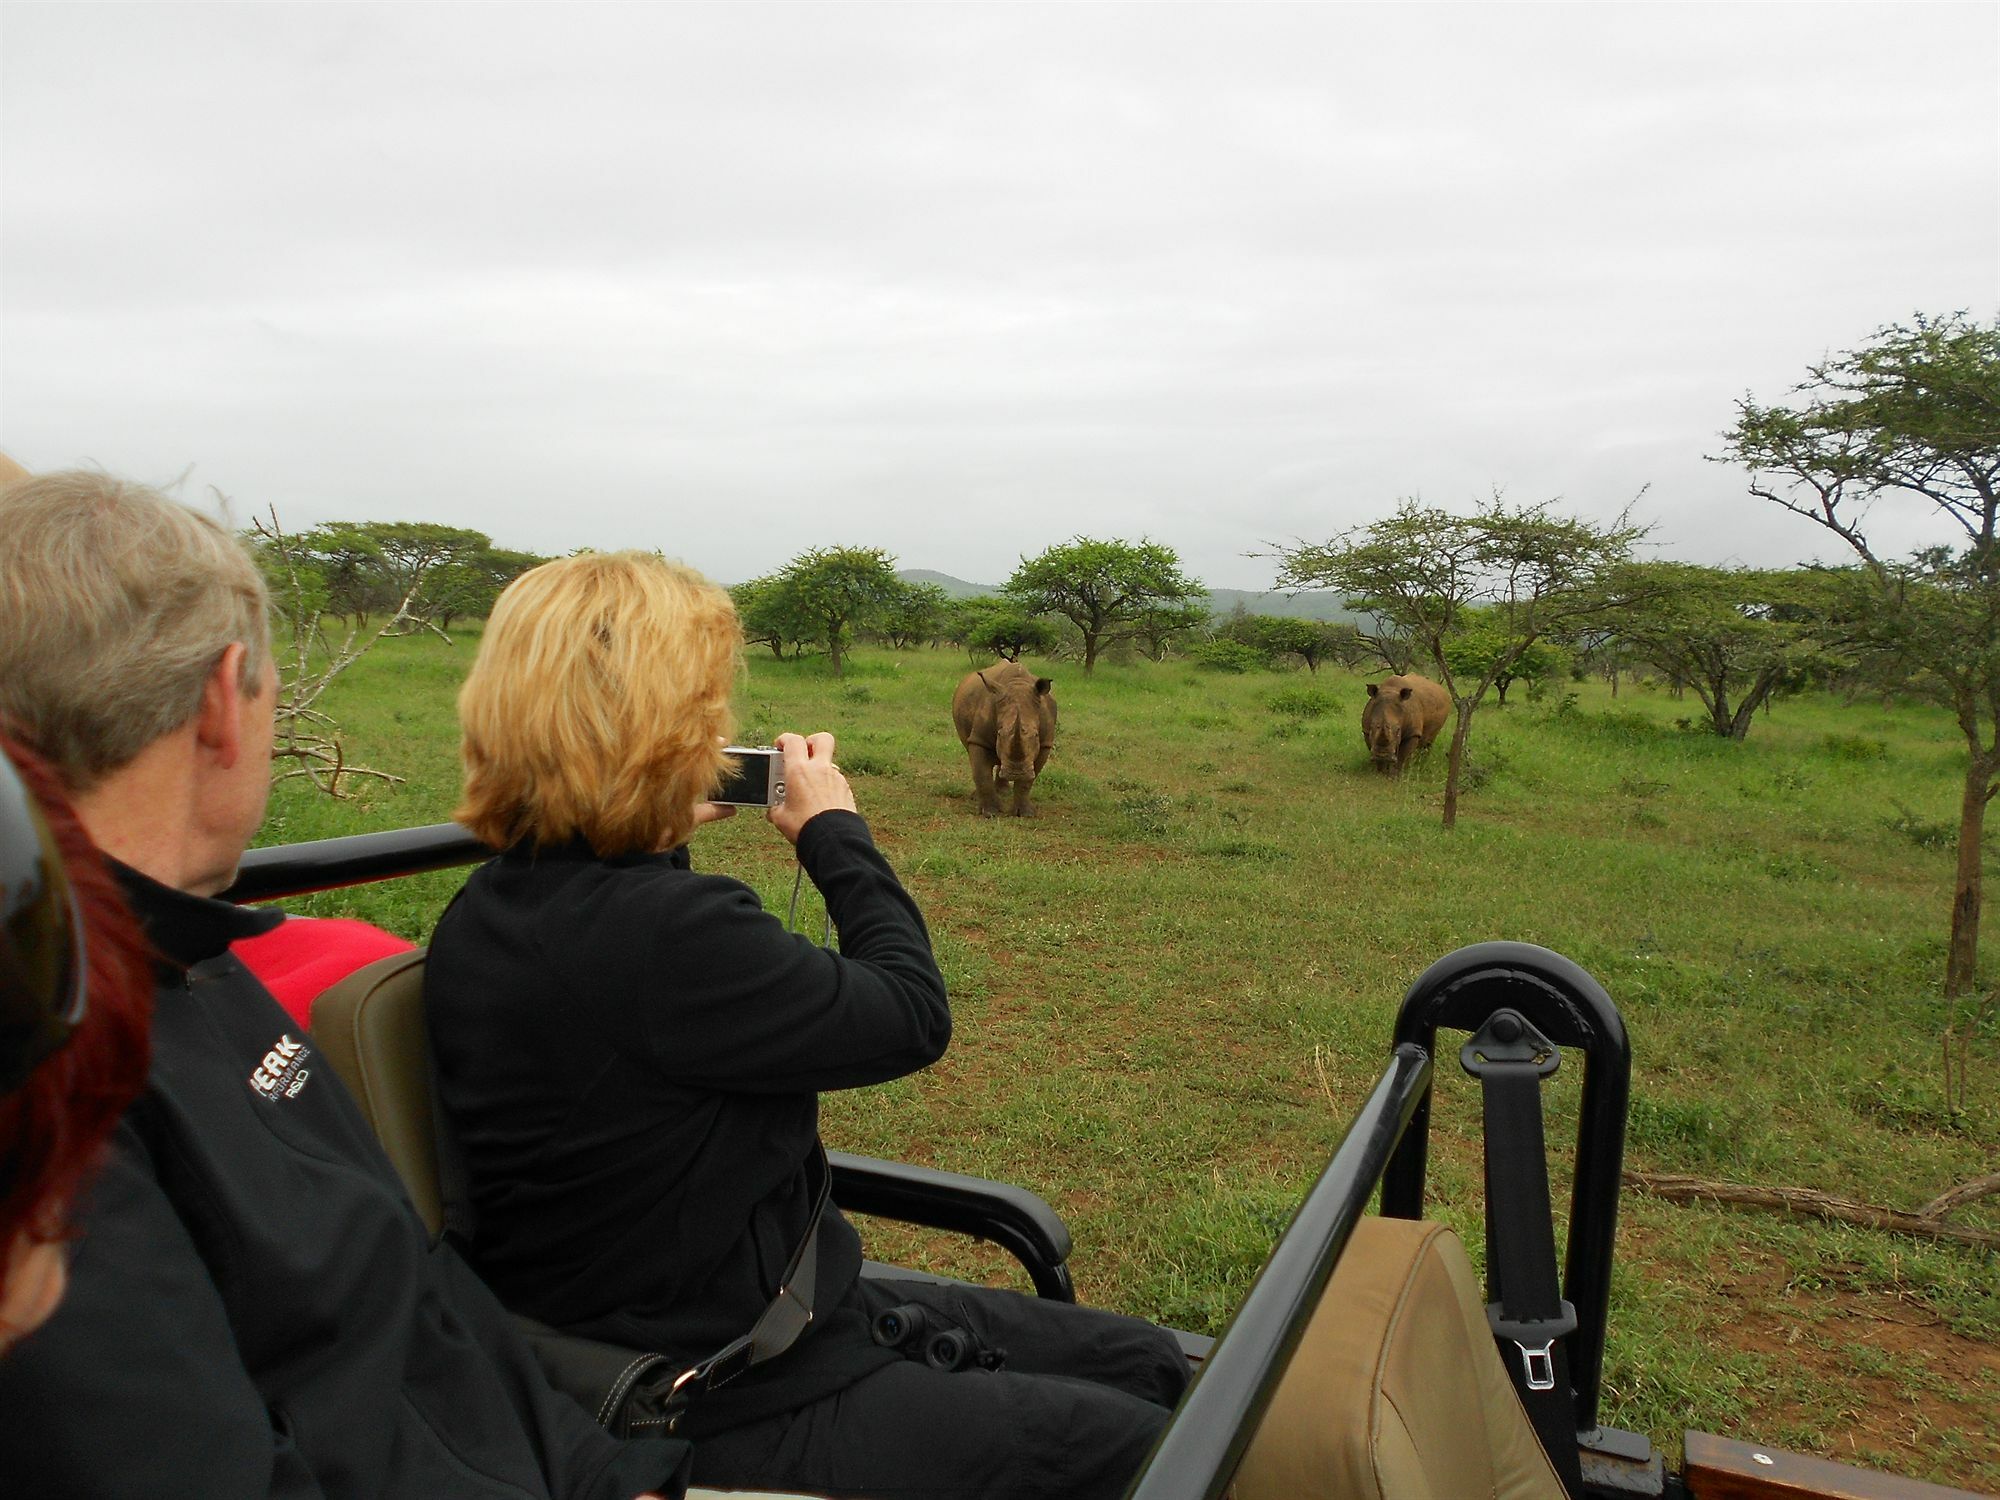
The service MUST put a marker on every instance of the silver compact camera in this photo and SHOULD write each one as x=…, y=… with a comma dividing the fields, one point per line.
x=756, y=777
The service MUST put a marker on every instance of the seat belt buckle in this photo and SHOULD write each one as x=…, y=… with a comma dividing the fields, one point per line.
x=1538, y=1359
x=1538, y=1365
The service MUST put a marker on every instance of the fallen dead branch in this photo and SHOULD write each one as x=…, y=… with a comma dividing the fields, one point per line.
x=1812, y=1203
x=1958, y=1197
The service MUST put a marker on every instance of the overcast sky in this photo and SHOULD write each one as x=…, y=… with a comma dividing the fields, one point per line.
x=964, y=281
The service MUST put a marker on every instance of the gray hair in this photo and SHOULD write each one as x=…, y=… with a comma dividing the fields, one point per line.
x=116, y=604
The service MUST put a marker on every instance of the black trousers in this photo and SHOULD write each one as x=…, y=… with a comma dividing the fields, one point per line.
x=1078, y=1404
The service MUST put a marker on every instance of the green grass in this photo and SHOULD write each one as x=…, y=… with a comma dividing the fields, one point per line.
x=1174, y=987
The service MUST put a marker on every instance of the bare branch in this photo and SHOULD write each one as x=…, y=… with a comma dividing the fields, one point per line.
x=1807, y=1202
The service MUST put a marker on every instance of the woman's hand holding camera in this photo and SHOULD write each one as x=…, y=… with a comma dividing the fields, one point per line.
x=813, y=783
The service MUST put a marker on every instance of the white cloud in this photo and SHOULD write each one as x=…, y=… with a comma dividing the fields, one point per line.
x=964, y=281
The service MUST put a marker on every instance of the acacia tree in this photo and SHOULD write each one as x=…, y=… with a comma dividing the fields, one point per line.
x=1106, y=588
x=1001, y=626
x=914, y=615
x=1914, y=417
x=1737, y=636
x=1485, y=639
x=470, y=585
x=770, y=616
x=410, y=554
x=1159, y=629
x=840, y=590
x=1424, y=571
x=1311, y=641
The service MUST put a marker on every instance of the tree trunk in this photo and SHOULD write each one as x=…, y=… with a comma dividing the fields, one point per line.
x=833, y=650
x=1503, y=683
x=1089, y=651
x=1460, y=733
x=1962, y=954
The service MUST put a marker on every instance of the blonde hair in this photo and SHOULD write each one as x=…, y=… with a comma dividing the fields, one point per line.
x=116, y=604
x=599, y=704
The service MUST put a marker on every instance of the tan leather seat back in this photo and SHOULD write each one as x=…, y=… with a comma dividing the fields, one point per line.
x=370, y=1027
x=1396, y=1391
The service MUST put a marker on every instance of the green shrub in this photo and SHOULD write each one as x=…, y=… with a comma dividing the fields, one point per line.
x=1854, y=747
x=1227, y=656
x=1925, y=833
x=1302, y=702
x=1624, y=726
x=1149, y=812
x=861, y=763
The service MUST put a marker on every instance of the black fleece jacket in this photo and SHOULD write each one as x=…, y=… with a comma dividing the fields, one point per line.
x=630, y=1054
x=254, y=1308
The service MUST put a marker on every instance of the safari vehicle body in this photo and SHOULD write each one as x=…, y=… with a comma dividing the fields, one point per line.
x=1526, y=1009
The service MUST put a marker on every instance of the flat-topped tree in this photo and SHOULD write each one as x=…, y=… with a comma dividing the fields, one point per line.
x=769, y=617
x=1108, y=589
x=1000, y=627
x=915, y=615
x=1737, y=636
x=1515, y=573
x=1912, y=417
x=1311, y=641
x=842, y=590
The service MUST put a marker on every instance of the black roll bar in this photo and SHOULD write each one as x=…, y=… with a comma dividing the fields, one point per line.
x=328, y=864
x=1197, y=1455
x=1460, y=991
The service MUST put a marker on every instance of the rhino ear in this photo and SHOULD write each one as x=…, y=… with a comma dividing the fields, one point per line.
x=1404, y=694
x=1043, y=684
x=1371, y=689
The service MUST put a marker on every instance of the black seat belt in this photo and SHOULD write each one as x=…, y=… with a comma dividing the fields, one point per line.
x=1528, y=1314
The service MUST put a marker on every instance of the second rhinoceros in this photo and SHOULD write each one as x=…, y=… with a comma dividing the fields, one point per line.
x=1402, y=716
x=1006, y=718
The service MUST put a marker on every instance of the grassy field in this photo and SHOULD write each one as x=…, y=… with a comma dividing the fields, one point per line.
x=1174, y=987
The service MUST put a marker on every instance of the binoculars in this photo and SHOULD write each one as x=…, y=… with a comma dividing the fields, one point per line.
x=920, y=1335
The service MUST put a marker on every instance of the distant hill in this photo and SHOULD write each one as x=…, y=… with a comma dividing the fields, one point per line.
x=1309, y=606
x=956, y=588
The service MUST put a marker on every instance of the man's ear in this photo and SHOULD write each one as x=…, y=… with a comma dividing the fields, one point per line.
x=218, y=725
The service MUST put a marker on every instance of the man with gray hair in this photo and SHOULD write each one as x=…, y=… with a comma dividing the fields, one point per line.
x=254, y=1308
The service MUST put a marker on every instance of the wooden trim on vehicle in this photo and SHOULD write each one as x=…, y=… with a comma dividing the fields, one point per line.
x=1718, y=1468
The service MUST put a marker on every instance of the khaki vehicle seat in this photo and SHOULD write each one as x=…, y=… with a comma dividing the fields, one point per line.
x=370, y=1026
x=1403, y=1326
x=1395, y=1393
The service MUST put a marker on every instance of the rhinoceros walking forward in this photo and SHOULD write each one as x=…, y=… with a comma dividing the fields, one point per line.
x=1006, y=718
x=1402, y=716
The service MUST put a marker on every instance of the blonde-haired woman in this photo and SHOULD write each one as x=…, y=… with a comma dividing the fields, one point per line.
x=630, y=1054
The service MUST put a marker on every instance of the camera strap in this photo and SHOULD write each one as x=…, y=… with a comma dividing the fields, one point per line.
x=778, y=1327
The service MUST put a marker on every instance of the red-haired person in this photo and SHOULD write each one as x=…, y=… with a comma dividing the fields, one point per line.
x=75, y=993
